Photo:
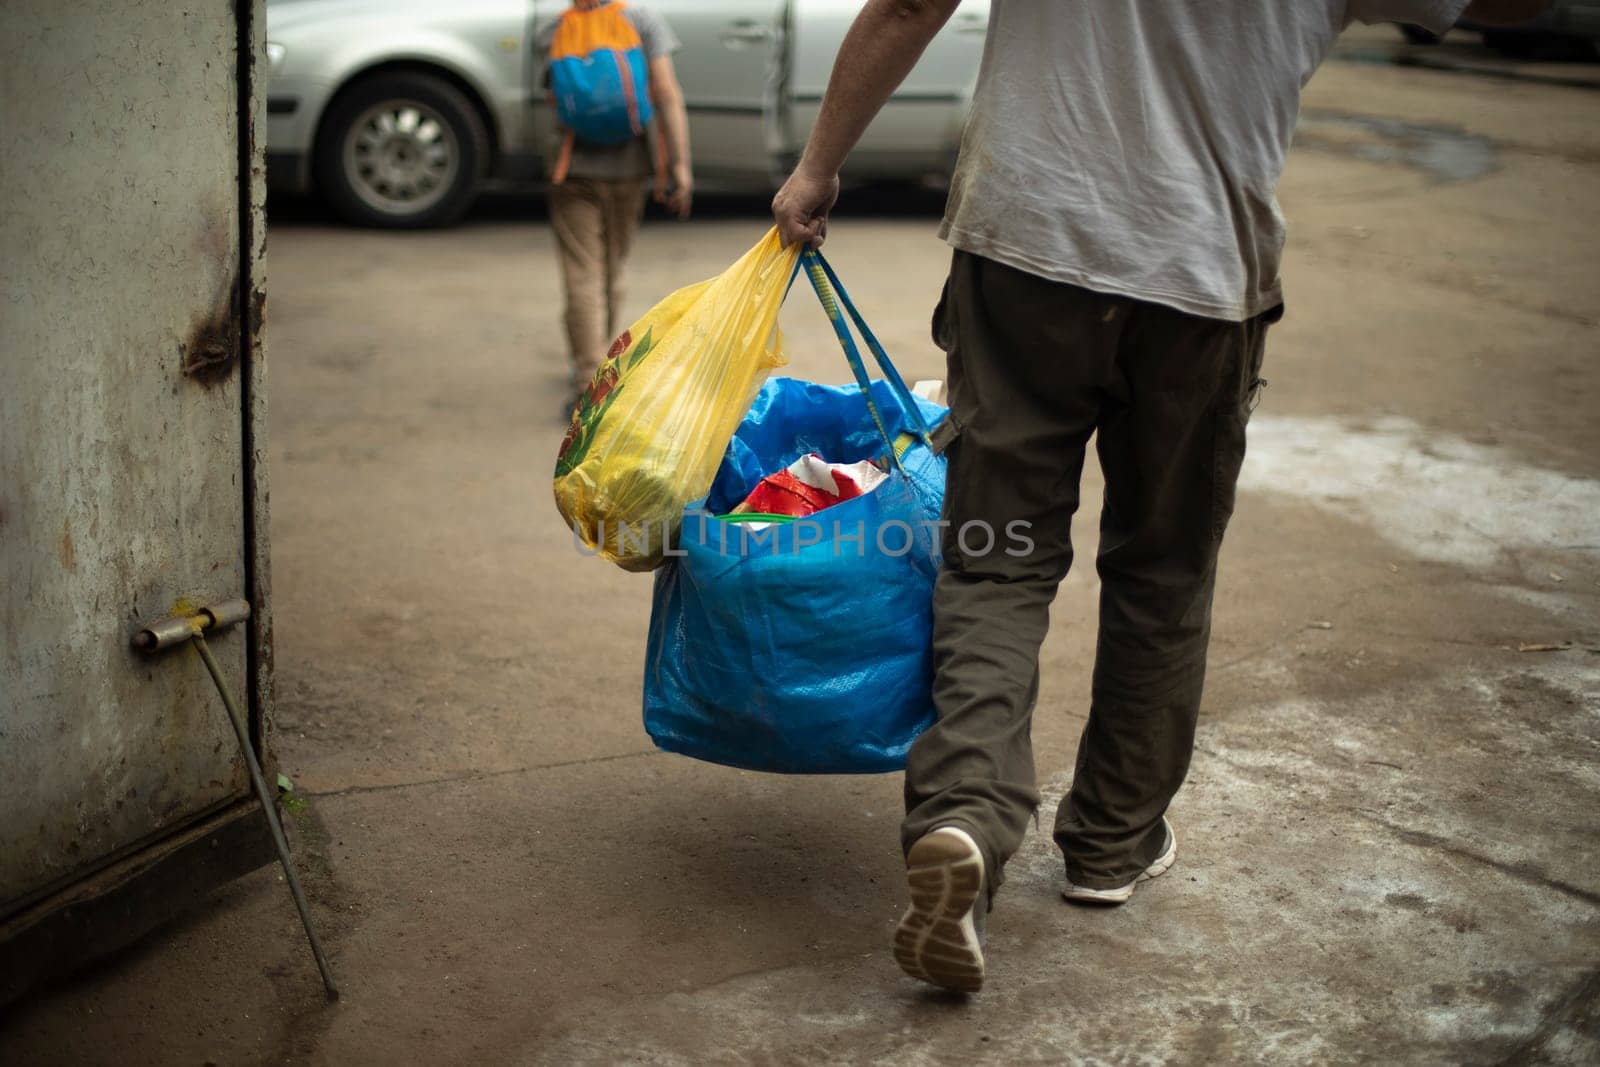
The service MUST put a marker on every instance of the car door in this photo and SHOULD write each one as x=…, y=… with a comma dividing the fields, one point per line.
x=728, y=68
x=918, y=131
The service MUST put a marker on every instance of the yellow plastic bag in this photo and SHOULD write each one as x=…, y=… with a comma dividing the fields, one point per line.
x=648, y=435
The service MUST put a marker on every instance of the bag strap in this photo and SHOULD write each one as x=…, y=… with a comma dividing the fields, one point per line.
x=852, y=355
x=902, y=393
x=826, y=284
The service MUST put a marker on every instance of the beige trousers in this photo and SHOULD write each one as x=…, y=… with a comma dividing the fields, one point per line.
x=594, y=223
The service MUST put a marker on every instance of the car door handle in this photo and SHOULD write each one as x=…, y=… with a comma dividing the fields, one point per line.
x=972, y=24
x=745, y=32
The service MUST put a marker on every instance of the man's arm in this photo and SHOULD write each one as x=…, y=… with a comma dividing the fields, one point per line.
x=667, y=96
x=883, y=44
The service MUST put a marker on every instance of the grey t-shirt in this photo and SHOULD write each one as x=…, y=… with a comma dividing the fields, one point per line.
x=611, y=162
x=1134, y=146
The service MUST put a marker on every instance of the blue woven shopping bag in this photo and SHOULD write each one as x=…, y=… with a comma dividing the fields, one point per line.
x=806, y=647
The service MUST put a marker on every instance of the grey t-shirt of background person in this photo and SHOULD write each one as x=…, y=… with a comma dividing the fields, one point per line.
x=610, y=162
x=1134, y=147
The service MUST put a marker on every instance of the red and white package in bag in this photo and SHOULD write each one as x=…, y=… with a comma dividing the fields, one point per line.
x=810, y=484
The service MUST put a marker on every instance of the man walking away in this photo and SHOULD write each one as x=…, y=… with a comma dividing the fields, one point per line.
x=1117, y=241
x=609, y=66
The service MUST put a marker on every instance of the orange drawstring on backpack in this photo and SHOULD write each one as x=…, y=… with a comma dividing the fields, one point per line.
x=660, y=142
x=558, y=173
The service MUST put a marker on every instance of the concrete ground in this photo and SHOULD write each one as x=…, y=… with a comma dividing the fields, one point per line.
x=1388, y=839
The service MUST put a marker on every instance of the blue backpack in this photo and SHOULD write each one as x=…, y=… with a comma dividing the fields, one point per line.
x=599, y=78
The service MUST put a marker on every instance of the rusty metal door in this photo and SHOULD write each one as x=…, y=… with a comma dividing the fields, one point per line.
x=131, y=480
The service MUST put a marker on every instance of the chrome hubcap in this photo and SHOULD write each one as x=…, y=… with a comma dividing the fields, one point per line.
x=401, y=157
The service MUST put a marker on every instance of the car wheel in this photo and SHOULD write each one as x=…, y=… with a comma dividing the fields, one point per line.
x=402, y=151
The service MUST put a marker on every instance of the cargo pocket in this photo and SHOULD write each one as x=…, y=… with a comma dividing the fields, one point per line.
x=1254, y=385
x=1242, y=385
x=1256, y=340
x=940, y=326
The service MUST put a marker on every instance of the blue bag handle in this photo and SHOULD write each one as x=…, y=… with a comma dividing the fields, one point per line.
x=896, y=383
x=825, y=282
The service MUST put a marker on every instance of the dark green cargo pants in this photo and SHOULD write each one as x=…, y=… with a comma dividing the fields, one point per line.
x=1035, y=368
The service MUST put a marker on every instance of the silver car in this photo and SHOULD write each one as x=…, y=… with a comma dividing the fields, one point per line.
x=400, y=112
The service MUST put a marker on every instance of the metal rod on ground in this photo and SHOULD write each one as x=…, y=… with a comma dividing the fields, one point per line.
x=269, y=808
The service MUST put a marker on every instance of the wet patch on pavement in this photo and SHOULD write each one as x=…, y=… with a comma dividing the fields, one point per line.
x=1444, y=152
x=1432, y=495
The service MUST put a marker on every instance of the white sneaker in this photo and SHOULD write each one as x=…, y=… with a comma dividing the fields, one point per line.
x=938, y=940
x=1120, y=895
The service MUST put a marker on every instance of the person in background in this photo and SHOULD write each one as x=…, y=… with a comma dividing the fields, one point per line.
x=597, y=190
x=1117, y=241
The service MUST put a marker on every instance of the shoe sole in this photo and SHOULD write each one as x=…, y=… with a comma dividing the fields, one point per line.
x=1162, y=864
x=936, y=941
